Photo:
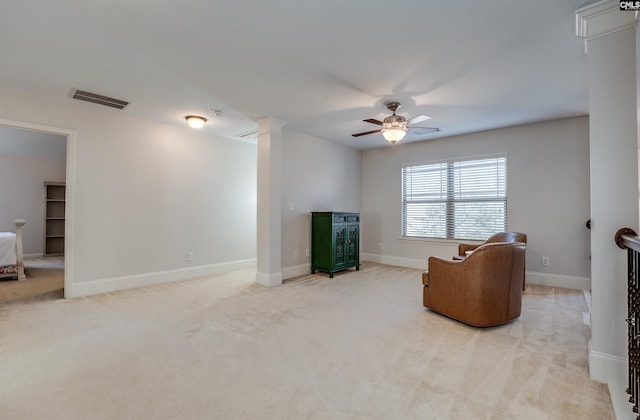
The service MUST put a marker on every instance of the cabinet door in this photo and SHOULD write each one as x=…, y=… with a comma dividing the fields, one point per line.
x=339, y=240
x=352, y=237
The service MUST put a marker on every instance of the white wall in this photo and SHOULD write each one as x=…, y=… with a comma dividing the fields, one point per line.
x=548, y=196
x=145, y=194
x=22, y=190
x=317, y=175
x=614, y=189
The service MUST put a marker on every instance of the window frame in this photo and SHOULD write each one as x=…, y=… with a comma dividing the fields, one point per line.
x=450, y=228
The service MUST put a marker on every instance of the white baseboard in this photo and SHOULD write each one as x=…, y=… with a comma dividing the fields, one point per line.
x=620, y=400
x=128, y=282
x=420, y=264
x=558, y=280
x=32, y=255
x=543, y=279
x=607, y=368
x=296, y=270
x=269, y=280
x=612, y=370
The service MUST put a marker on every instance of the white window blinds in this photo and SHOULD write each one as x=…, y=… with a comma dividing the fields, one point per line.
x=455, y=200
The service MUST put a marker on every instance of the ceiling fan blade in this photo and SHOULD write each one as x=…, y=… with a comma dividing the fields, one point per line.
x=366, y=132
x=418, y=119
x=373, y=121
x=424, y=130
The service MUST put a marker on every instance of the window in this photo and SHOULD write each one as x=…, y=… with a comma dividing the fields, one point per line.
x=464, y=199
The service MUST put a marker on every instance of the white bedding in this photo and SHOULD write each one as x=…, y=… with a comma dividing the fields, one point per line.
x=7, y=248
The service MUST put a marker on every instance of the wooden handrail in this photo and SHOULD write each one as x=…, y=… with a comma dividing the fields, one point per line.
x=627, y=238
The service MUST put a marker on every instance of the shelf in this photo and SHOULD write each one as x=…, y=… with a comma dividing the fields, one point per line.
x=54, y=218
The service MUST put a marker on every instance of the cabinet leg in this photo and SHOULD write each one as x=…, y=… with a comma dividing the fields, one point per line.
x=330, y=275
x=357, y=268
x=313, y=271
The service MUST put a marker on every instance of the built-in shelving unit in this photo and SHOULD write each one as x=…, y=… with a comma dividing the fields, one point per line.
x=55, y=197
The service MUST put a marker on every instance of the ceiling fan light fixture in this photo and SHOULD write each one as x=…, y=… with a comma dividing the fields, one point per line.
x=394, y=128
x=393, y=135
x=195, y=121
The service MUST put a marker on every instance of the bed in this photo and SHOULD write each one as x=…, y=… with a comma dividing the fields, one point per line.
x=11, y=257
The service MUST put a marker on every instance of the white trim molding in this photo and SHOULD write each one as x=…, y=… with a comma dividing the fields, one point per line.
x=269, y=280
x=607, y=368
x=420, y=264
x=602, y=18
x=70, y=180
x=622, y=408
x=558, y=280
x=613, y=371
x=532, y=277
x=296, y=270
x=139, y=280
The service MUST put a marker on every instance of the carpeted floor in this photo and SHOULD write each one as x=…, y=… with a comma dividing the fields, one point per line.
x=45, y=279
x=358, y=346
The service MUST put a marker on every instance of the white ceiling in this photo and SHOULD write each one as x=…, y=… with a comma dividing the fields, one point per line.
x=320, y=65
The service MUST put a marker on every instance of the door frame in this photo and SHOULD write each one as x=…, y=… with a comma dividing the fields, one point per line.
x=70, y=192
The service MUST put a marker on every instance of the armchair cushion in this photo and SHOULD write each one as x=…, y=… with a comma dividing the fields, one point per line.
x=484, y=289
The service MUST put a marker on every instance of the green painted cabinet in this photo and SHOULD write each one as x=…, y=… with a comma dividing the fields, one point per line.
x=335, y=241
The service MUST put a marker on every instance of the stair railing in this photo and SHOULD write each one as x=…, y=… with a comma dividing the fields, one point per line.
x=627, y=238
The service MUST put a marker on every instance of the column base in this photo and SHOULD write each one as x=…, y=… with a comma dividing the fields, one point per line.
x=269, y=280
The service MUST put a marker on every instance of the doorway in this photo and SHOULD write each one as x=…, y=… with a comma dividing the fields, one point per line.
x=32, y=156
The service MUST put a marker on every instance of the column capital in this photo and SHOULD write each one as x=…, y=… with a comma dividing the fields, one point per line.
x=602, y=18
x=269, y=123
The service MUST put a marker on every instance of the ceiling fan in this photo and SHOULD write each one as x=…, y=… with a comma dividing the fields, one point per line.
x=394, y=127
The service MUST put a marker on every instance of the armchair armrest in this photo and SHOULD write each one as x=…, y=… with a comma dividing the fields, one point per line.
x=447, y=280
x=425, y=278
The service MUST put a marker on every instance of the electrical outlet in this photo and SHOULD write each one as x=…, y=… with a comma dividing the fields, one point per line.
x=545, y=261
x=189, y=256
x=380, y=246
x=306, y=252
x=295, y=255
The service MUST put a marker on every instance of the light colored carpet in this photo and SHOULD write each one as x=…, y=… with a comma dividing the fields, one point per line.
x=45, y=279
x=358, y=346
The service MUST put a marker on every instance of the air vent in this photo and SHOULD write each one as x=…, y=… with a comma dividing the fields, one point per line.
x=251, y=134
x=98, y=99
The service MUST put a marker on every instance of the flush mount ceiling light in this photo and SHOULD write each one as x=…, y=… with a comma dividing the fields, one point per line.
x=195, y=121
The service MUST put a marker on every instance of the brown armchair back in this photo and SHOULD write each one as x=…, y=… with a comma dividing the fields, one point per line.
x=482, y=290
x=497, y=237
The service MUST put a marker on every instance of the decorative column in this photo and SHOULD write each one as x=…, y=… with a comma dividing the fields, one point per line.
x=610, y=44
x=269, y=231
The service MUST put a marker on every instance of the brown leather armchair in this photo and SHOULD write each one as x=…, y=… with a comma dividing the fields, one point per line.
x=464, y=249
x=483, y=290
x=498, y=237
